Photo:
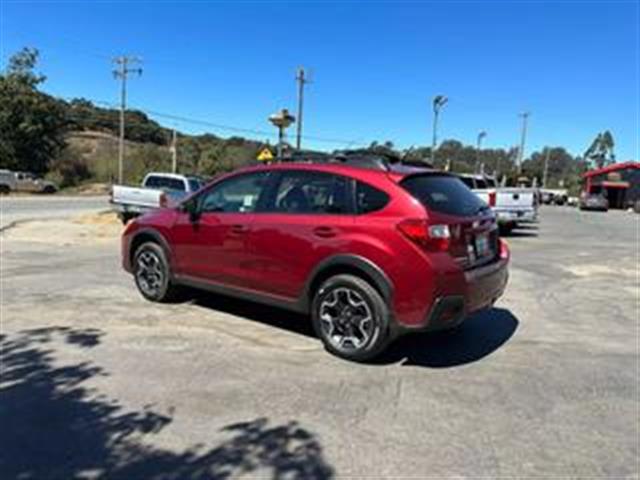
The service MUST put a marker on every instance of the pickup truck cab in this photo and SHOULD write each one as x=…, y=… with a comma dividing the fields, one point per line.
x=157, y=190
x=512, y=205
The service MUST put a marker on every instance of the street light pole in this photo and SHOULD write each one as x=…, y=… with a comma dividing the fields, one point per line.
x=438, y=103
x=481, y=136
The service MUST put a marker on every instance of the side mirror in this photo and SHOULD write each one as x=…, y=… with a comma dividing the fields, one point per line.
x=191, y=207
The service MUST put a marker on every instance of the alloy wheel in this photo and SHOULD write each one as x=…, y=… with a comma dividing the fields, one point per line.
x=346, y=319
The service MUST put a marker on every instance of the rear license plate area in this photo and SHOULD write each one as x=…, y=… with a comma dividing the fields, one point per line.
x=482, y=246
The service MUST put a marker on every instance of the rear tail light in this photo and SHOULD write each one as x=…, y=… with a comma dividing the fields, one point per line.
x=430, y=237
x=492, y=199
x=163, y=200
x=505, y=253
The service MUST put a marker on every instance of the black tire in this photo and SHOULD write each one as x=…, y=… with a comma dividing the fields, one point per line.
x=5, y=189
x=368, y=301
x=49, y=189
x=153, y=281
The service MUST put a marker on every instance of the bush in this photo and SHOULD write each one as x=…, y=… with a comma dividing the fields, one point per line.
x=68, y=169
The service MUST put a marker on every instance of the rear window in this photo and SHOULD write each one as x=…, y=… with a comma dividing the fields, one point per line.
x=468, y=182
x=481, y=184
x=444, y=194
x=165, y=183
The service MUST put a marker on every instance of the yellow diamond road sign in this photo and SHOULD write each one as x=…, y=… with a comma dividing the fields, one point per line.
x=265, y=155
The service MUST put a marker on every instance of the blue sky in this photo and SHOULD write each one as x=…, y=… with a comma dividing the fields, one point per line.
x=574, y=65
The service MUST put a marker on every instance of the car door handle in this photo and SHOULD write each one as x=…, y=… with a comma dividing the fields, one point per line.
x=324, y=232
x=239, y=229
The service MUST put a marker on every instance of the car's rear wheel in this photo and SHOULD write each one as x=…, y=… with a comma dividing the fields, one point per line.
x=351, y=318
x=152, y=273
x=5, y=189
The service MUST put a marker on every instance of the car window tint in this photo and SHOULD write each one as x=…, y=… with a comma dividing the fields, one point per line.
x=468, y=181
x=312, y=192
x=194, y=184
x=238, y=194
x=175, y=184
x=480, y=183
x=152, y=182
x=444, y=194
x=370, y=199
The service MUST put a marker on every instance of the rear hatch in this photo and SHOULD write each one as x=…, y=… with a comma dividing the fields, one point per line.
x=472, y=227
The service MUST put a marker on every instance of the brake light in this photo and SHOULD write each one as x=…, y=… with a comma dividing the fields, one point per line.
x=430, y=237
x=163, y=200
x=505, y=253
x=492, y=199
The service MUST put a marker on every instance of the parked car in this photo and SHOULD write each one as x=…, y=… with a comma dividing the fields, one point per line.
x=24, y=182
x=594, y=201
x=157, y=190
x=368, y=253
x=511, y=205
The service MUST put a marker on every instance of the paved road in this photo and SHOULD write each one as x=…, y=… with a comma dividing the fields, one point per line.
x=18, y=208
x=97, y=381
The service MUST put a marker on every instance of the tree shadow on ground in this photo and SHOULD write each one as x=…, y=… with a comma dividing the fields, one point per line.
x=54, y=427
x=480, y=335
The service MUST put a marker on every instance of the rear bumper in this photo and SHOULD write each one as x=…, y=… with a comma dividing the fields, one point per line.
x=516, y=215
x=482, y=288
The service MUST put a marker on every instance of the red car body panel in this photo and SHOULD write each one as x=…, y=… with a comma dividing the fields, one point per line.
x=276, y=255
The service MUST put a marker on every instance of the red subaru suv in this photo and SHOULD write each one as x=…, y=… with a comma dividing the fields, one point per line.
x=368, y=253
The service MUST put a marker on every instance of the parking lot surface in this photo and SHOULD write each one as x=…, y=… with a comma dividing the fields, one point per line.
x=98, y=382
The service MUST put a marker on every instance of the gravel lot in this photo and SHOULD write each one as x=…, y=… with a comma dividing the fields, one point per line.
x=20, y=208
x=96, y=382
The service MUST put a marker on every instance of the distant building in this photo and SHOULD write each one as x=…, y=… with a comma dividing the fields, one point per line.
x=619, y=182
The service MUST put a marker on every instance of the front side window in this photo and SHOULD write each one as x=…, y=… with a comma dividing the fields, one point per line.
x=238, y=194
x=312, y=193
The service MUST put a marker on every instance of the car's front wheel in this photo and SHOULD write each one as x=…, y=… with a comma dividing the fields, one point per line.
x=152, y=273
x=351, y=318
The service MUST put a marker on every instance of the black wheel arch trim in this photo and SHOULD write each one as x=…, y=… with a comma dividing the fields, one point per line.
x=158, y=237
x=380, y=279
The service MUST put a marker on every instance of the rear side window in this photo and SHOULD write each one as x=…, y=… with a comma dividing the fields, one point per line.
x=444, y=194
x=311, y=192
x=370, y=199
x=482, y=184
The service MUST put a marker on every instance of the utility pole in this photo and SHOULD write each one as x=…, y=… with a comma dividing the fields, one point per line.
x=438, y=103
x=523, y=138
x=481, y=136
x=302, y=80
x=122, y=72
x=174, y=152
x=546, y=167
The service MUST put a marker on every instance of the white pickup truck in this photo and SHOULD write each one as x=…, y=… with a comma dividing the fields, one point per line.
x=512, y=205
x=158, y=190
